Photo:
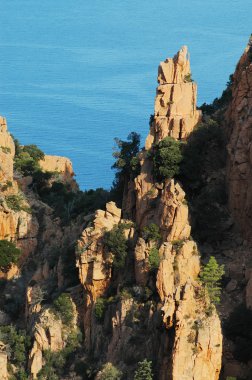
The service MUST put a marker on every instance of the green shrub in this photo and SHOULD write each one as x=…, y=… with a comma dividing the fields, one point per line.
x=166, y=158
x=17, y=342
x=188, y=78
x=219, y=103
x=5, y=149
x=211, y=275
x=143, y=371
x=16, y=203
x=154, y=259
x=100, y=308
x=127, y=164
x=109, y=372
x=9, y=254
x=178, y=244
x=203, y=153
x=54, y=363
x=35, y=153
x=27, y=159
x=25, y=164
x=63, y=308
x=116, y=243
x=151, y=233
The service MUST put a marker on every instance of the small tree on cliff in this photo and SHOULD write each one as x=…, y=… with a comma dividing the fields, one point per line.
x=126, y=164
x=166, y=158
x=109, y=372
x=144, y=372
x=211, y=276
x=9, y=254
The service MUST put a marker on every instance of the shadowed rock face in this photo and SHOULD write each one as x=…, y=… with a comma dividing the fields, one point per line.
x=238, y=122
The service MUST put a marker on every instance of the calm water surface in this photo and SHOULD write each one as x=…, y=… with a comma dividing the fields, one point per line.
x=75, y=74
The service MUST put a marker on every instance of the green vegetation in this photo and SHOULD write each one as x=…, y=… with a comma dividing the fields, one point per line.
x=188, y=78
x=210, y=276
x=27, y=159
x=204, y=157
x=143, y=371
x=154, y=259
x=151, y=233
x=178, y=244
x=55, y=363
x=5, y=149
x=16, y=202
x=63, y=308
x=127, y=164
x=9, y=254
x=68, y=204
x=203, y=154
x=18, y=345
x=109, y=372
x=166, y=157
x=100, y=308
x=6, y=186
x=116, y=243
x=219, y=103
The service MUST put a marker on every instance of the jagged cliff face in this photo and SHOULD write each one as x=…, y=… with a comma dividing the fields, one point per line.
x=238, y=122
x=188, y=342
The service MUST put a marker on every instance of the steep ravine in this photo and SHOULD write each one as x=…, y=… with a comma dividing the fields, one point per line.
x=121, y=285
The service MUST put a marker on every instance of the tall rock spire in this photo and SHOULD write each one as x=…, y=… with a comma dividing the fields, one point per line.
x=175, y=112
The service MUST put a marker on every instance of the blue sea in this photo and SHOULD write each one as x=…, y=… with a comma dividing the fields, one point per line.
x=74, y=74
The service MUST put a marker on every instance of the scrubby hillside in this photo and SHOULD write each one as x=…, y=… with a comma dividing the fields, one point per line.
x=124, y=284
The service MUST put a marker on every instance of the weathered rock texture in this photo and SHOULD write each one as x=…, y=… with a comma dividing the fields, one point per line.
x=61, y=165
x=238, y=121
x=175, y=112
x=7, y=152
x=49, y=334
x=3, y=362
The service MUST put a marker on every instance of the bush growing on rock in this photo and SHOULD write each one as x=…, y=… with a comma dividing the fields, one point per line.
x=143, y=371
x=203, y=153
x=100, y=308
x=18, y=344
x=166, y=158
x=116, y=243
x=35, y=153
x=151, y=233
x=211, y=275
x=153, y=259
x=63, y=308
x=109, y=372
x=27, y=159
x=9, y=254
x=127, y=164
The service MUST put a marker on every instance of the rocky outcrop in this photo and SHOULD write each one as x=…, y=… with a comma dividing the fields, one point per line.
x=3, y=362
x=175, y=112
x=61, y=165
x=92, y=262
x=7, y=152
x=238, y=121
x=175, y=115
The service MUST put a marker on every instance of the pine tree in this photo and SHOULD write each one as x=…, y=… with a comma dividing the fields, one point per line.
x=143, y=372
x=211, y=276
